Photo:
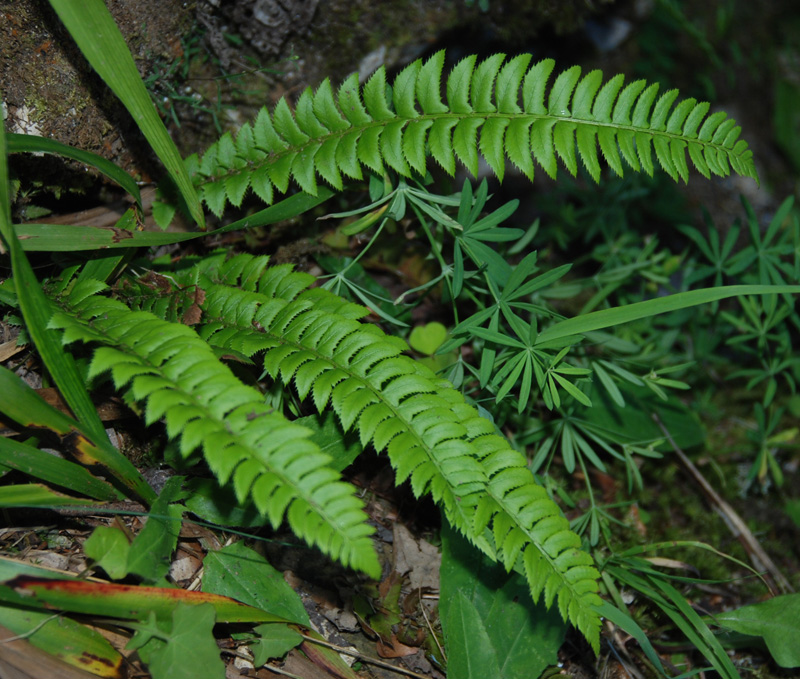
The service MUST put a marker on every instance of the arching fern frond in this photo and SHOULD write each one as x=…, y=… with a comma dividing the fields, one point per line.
x=501, y=110
x=432, y=436
x=265, y=457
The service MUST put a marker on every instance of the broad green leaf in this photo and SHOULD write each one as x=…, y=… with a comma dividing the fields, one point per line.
x=426, y=339
x=110, y=548
x=275, y=641
x=98, y=37
x=491, y=626
x=633, y=422
x=239, y=572
x=218, y=504
x=792, y=509
x=776, y=620
x=328, y=435
x=183, y=647
x=470, y=652
x=151, y=550
x=68, y=640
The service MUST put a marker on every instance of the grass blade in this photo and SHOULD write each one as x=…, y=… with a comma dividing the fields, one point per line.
x=129, y=602
x=66, y=639
x=98, y=37
x=55, y=470
x=67, y=238
x=29, y=143
x=37, y=495
x=25, y=406
x=606, y=318
x=36, y=311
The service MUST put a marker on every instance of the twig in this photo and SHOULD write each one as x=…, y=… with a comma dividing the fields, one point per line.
x=365, y=658
x=433, y=634
x=759, y=558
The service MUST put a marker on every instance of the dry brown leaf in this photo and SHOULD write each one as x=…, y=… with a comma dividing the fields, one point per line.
x=395, y=649
x=417, y=558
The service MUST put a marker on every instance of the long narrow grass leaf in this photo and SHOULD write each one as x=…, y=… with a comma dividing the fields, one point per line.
x=94, y=30
x=69, y=238
x=37, y=310
x=28, y=143
x=55, y=470
x=606, y=318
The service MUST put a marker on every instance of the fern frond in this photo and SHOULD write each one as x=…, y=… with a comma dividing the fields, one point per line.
x=432, y=436
x=265, y=457
x=501, y=110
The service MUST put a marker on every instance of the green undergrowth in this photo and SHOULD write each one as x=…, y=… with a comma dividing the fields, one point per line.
x=544, y=371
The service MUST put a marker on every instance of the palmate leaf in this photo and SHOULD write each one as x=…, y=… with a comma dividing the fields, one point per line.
x=433, y=438
x=265, y=457
x=500, y=111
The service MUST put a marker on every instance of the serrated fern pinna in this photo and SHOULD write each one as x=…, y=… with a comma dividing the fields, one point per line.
x=496, y=108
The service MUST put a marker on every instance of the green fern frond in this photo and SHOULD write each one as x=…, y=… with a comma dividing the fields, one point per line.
x=432, y=436
x=265, y=457
x=501, y=110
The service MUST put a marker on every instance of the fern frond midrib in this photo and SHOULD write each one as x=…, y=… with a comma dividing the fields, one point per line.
x=314, y=143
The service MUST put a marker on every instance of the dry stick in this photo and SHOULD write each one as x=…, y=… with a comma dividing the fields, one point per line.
x=433, y=634
x=736, y=525
x=366, y=658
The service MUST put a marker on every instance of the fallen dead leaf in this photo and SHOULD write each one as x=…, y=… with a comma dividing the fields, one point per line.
x=416, y=557
x=395, y=649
